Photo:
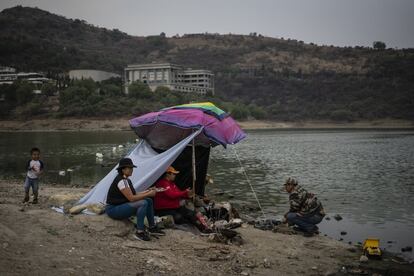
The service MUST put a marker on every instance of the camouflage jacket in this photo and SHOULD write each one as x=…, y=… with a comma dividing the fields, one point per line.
x=303, y=202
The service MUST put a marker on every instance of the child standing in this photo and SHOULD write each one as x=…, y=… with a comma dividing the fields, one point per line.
x=34, y=170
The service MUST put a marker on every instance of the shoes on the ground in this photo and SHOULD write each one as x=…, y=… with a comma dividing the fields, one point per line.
x=314, y=231
x=311, y=234
x=207, y=231
x=143, y=236
x=156, y=231
x=298, y=229
x=34, y=201
x=308, y=234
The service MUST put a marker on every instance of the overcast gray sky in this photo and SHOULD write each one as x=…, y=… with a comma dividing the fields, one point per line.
x=324, y=22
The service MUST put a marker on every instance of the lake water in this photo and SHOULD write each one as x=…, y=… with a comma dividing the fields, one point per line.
x=366, y=176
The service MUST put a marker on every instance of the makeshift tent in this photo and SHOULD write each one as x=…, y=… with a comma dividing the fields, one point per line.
x=183, y=163
x=150, y=166
x=180, y=135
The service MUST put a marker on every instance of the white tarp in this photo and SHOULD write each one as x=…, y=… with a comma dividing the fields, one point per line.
x=150, y=166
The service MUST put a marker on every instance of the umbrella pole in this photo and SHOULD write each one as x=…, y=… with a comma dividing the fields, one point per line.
x=194, y=172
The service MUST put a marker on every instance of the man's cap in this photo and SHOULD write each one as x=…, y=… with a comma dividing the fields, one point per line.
x=291, y=181
x=172, y=170
x=126, y=163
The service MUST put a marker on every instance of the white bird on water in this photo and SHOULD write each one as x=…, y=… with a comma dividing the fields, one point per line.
x=62, y=173
x=99, y=155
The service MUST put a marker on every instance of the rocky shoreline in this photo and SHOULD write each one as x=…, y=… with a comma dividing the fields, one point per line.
x=37, y=240
x=102, y=124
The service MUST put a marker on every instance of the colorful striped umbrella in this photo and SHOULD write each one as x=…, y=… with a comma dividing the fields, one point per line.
x=168, y=126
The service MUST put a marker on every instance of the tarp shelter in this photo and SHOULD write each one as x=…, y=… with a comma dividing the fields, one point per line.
x=181, y=136
x=183, y=163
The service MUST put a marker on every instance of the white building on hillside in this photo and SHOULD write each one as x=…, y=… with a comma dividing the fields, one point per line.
x=95, y=75
x=170, y=75
x=7, y=70
x=8, y=75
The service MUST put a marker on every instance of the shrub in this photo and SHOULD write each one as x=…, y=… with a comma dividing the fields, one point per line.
x=139, y=90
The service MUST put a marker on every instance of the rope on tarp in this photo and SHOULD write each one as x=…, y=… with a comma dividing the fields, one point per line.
x=248, y=181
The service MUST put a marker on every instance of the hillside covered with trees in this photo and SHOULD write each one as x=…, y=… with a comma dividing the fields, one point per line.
x=256, y=76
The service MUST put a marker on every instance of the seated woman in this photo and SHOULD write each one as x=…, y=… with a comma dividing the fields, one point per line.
x=167, y=202
x=123, y=201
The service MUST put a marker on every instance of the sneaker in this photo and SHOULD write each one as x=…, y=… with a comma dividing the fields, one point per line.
x=26, y=198
x=298, y=229
x=143, y=236
x=156, y=231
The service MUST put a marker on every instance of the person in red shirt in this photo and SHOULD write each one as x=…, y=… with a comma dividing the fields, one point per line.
x=167, y=202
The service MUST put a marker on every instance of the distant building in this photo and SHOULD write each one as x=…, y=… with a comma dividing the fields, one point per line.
x=95, y=75
x=8, y=75
x=7, y=70
x=170, y=75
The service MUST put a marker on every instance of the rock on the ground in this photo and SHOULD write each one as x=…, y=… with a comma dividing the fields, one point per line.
x=363, y=259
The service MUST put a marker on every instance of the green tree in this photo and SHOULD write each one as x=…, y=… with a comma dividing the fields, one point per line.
x=379, y=45
x=239, y=112
x=7, y=91
x=162, y=90
x=89, y=84
x=48, y=89
x=111, y=90
x=170, y=100
x=29, y=109
x=74, y=94
x=257, y=112
x=139, y=90
x=24, y=92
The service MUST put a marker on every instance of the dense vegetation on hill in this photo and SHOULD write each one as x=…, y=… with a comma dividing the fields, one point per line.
x=262, y=77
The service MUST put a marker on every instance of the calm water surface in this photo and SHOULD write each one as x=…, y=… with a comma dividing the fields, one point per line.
x=366, y=176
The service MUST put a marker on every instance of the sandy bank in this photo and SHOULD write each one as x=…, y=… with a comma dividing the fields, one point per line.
x=36, y=240
x=122, y=124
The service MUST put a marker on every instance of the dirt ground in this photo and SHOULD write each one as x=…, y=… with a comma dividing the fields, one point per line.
x=99, y=124
x=36, y=240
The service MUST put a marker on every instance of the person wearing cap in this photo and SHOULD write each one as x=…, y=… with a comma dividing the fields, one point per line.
x=123, y=201
x=305, y=209
x=168, y=202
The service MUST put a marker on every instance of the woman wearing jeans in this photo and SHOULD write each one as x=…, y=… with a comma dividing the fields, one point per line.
x=123, y=201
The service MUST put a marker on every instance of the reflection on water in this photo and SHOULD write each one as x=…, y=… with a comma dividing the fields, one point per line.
x=366, y=176
x=70, y=153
